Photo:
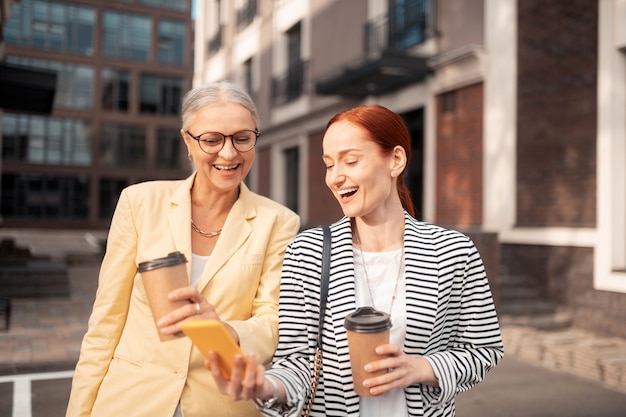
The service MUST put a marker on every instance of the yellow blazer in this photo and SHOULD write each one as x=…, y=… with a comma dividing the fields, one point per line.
x=123, y=368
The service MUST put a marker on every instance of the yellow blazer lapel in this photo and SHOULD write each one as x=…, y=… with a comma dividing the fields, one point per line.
x=235, y=232
x=180, y=218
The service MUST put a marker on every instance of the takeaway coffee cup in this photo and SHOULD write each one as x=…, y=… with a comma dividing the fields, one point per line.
x=160, y=277
x=367, y=329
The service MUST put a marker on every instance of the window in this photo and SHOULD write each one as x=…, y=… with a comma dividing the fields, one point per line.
x=126, y=35
x=49, y=25
x=35, y=196
x=110, y=190
x=178, y=5
x=114, y=95
x=45, y=140
x=169, y=148
x=74, y=81
x=123, y=145
x=246, y=14
x=292, y=177
x=214, y=26
x=294, y=51
x=290, y=86
x=247, y=77
x=160, y=94
x=172, y=42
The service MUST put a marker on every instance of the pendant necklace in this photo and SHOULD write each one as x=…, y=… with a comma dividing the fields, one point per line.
x=367, y=278
x=202, y=232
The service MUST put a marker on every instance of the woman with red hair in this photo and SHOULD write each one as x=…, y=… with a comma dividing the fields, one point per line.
x=430, y=280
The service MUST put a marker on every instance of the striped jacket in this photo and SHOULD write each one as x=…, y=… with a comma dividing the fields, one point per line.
x=451, y=320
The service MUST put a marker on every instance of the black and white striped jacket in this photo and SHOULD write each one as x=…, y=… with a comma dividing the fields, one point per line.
x=451, y=319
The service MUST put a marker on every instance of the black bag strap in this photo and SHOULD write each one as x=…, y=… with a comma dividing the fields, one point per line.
x=325, y=279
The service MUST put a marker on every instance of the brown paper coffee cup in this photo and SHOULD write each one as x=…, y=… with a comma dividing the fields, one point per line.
x=366, y=329
x=160, y=277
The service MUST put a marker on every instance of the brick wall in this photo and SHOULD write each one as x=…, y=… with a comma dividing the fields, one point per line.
x=556, y=121
x=323, y=207
x=460, y=157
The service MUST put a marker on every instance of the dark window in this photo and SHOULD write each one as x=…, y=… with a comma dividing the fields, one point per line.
x=74, y=89
x=126, y=35
x=172, y=42
x=123, y=145
x=246, y=14
x=292, y=177
x=247, y=77
x=34, y=196
x=110, y=190
x=178, y=5
x=169, y=148
x=52, y=26
x=115, y=89
x=45, y=140
x=160, y=94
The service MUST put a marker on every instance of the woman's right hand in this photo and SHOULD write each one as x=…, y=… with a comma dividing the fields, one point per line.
x=247, y=380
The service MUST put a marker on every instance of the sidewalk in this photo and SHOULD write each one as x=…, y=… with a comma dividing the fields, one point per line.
x=45, y=334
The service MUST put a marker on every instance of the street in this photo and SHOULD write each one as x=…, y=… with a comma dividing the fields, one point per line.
x=514, y=389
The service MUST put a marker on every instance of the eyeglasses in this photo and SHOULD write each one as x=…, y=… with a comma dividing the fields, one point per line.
x=213, y=142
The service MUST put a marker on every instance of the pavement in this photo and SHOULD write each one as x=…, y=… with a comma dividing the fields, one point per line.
x=45, y=333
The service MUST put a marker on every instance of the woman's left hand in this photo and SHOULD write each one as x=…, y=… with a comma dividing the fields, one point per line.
x=402, y=370
x=198, y=308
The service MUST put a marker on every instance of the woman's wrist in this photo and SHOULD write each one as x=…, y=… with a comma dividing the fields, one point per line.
x=271, y=395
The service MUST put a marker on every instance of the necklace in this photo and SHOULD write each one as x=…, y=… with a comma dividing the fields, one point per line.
x=367, y=278
x=202, y=232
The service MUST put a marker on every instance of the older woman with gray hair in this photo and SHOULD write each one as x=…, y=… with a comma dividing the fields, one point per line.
x=234, y=241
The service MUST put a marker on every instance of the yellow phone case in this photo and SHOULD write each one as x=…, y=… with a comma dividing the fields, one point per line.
x=211, y=335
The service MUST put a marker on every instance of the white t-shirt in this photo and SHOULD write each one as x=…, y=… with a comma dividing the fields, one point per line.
x=382, y=270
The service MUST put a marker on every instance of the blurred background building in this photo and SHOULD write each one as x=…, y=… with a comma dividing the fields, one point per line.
x=516, y=110
x=112, y=117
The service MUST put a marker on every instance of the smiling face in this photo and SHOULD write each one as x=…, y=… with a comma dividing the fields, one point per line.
x=223, y=171
x=360, y=176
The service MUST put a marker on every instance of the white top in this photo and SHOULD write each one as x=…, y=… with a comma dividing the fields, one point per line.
x=382, y=270
x=198, y=263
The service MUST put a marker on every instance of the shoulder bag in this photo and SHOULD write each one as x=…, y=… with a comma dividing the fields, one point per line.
x=317, y=369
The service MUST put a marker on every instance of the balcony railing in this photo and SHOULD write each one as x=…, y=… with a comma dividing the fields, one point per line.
x=402, y=27
x=289, y=86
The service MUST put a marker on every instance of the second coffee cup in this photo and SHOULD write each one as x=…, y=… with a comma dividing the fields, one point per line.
x=366, y=328
x=160, y=277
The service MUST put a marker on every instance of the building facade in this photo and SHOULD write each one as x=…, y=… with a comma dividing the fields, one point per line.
x=121, y=69
x=516, y=110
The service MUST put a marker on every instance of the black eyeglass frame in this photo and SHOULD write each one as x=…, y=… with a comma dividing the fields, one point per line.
x=232, y=140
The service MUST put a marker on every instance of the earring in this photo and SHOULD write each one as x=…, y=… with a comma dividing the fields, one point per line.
x=188, y=156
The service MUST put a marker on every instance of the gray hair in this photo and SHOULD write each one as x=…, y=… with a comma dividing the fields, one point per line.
x=216, y=92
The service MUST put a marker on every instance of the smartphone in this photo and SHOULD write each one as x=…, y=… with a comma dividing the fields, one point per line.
x=211, y=335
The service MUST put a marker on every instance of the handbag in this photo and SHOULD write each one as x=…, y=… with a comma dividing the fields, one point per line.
x=317, y=362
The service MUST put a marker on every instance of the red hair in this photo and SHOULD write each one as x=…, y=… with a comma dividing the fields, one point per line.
x=388, y=130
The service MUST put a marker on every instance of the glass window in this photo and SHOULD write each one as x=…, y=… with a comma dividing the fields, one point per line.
x=50, y=25
x=160, y=94
x=169, y=148
x=126, y=35
x=292, y=177
x=179, y=5
x=45, y=140
x=123, y=145
x=114, y=95
x=74, y=81
x=110, y=190
x=41, y=197
x=172, y=42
